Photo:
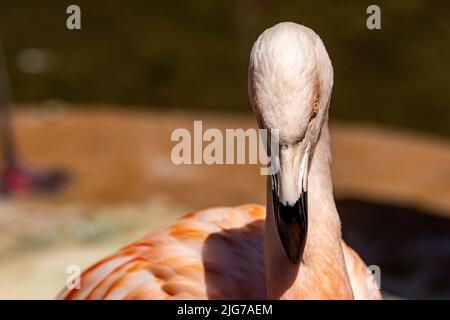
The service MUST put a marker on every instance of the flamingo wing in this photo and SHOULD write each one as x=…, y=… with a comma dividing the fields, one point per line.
x=362, y=281
x=211, y=254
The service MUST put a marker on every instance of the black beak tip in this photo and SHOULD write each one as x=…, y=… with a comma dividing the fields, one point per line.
x=293, y=255
x=292, y=223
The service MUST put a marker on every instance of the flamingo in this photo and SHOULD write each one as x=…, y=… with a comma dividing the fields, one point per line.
x=295, y=250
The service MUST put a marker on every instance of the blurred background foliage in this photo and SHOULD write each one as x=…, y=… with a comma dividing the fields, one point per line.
x=194, y=54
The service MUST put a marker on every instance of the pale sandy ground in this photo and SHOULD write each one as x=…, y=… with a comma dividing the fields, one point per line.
x=124, y=184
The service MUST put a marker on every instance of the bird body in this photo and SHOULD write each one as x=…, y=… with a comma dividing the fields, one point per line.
x=291, y=250
x=215, y=253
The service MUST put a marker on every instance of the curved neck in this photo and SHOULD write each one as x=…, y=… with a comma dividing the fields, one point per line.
x=322, y=274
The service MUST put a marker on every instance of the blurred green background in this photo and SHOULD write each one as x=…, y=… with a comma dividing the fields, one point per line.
x=194, y=54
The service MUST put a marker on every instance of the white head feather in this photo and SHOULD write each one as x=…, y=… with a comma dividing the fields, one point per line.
x=289, y=70
x=290, y=83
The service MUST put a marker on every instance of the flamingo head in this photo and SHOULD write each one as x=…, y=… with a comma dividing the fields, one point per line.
x=290, y=84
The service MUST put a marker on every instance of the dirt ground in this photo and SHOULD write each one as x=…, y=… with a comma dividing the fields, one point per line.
x=123, y=184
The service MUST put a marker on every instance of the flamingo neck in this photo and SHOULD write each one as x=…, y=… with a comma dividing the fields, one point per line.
x=322, y=272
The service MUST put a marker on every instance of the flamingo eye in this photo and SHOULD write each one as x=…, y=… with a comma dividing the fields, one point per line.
x=315, y=107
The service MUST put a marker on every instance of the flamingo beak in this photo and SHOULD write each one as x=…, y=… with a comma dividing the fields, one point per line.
x=292, y=216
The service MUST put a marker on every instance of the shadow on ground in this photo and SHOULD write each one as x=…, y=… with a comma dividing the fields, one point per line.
x=412, y=247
